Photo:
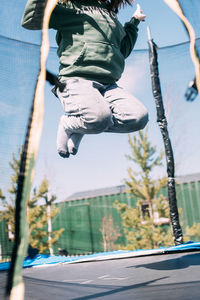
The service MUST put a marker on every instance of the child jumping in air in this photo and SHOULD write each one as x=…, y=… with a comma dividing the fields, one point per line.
x=92, y=48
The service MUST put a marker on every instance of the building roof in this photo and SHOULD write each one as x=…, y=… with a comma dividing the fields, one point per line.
x=97, y=192
x=122, y=188
x=188, y=178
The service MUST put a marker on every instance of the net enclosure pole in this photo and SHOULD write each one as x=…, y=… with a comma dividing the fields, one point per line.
x=178, y=7
x=15, y=284
x=162, y=122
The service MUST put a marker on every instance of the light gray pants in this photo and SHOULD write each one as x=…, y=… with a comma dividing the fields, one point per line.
x=91, y=107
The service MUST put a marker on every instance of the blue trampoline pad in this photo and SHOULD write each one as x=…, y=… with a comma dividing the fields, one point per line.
x=164, y=273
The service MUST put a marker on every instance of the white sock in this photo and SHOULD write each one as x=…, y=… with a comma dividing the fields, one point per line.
x=74, y=142
x=62, y=140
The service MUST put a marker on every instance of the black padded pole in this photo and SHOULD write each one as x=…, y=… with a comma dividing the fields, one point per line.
x=162, y=122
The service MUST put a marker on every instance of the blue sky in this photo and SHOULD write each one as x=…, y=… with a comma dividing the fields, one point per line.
x=101, y=161
x=165, y=26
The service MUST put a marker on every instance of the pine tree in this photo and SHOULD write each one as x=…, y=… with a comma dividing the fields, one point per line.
x=193, y=232
x=2, y=197
x=145, y=156
x=109, y=233
x=143, y=225
x=38, y=217
x=141, y=232
x=8, y=212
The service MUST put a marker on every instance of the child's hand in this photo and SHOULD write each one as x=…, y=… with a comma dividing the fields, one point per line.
x=138, y=14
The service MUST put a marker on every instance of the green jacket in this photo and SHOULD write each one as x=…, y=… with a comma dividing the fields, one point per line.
x=91, y=41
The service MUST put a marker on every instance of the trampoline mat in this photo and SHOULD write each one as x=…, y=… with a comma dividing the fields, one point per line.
x=168, y=276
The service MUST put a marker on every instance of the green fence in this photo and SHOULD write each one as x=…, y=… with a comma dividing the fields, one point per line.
x=188, y=195
x=82, y=219
x=5, y=243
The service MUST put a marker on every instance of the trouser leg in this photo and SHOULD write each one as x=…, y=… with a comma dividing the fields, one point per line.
x=129, y=114
x=86, y=111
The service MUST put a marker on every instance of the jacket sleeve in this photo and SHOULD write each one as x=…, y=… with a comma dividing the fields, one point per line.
x=128, y=42
x=33, y=14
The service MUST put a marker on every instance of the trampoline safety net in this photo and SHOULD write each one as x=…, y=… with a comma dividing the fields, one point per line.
x=21, y=103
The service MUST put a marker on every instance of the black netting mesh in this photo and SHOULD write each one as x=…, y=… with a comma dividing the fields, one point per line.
x=19, y=60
